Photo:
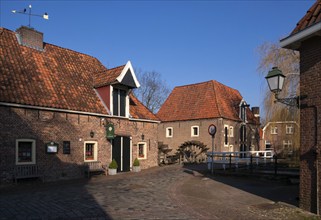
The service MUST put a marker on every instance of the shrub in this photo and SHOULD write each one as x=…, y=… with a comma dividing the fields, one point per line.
x=113, y=164
x=136, y=163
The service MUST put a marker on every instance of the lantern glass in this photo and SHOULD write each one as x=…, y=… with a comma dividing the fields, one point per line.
x=275, y=80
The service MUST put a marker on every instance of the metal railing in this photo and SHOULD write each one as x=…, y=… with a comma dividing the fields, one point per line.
x=242, y=159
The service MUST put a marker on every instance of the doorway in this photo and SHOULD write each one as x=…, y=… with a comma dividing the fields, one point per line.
x=121, y=152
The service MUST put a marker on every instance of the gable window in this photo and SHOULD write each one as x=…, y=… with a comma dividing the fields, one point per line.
x=169, y=132
x=274, y=130
x=90, y=151
x=119, y=102
x=194, y=131
x=289, y=129
x=226, y=132
x=142, y=150
x=242, y=113
x=25, y=151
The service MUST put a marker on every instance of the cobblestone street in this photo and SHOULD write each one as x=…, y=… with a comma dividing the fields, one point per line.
x=169, y=192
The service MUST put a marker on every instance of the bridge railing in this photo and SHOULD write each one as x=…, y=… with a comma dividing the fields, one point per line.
x=240, y=158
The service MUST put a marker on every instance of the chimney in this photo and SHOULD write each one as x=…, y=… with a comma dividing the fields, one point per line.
x=256, y=111
x=29, y=37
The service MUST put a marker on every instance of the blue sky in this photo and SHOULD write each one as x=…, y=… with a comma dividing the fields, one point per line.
x=186, y=41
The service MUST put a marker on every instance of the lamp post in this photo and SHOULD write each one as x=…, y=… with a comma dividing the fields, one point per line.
x=275, y=80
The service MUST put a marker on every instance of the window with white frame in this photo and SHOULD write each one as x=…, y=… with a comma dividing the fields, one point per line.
x=231, y=132
x=274, y=130
x=119, y=102
x=169, y=132
x=289, y=129
x=142, y=150
x=25, y=151
x=90, y=151
x=226, y=134
x=287, y=145
x=195, y=131
x=267, y=145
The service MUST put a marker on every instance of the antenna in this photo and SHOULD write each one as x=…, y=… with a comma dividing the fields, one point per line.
x=44, y=16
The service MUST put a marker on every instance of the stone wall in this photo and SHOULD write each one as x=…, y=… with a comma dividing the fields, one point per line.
x=46, y=126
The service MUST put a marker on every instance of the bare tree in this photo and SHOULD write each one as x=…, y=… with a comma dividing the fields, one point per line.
x=271, y=54
x=153, y=91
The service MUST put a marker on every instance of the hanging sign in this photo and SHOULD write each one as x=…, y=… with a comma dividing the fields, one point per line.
x=110, y=131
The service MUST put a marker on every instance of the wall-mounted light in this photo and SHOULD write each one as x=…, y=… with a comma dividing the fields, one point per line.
x=143, y=136
x=275, y=80
x=92, y=134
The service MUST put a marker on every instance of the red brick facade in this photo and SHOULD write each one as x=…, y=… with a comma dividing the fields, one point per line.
x=310, y=52
x=306, y=38
x=46, y=126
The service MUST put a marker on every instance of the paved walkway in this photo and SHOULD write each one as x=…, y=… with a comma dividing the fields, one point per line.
x=170, y=192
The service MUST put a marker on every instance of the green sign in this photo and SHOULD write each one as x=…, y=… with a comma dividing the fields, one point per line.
x=110, y=131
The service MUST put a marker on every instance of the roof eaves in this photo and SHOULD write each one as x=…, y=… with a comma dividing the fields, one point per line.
x=294, y=41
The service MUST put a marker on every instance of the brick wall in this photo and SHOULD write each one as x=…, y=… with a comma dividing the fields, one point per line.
x=47, y=126
x=276, y=140
x=182, y=133
x=310, y=65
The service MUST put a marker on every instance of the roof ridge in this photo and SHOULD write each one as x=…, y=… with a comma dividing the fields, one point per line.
x=193, y=84
x=64, y=48
x=117, y=67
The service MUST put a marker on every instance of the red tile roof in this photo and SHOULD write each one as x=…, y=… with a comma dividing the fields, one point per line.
x=55, y=78
x=312, y=17
x=107, y=77
x=202, y=101
x=138, y=110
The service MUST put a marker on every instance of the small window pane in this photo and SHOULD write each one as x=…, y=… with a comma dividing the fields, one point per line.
x=169, y=132
x=89, y=152
x=141, y=150
x=115, y=102
x=195, y=131
x=122, y=100
x=25, y=152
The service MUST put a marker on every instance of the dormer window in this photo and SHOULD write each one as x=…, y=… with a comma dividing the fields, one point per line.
x=242, y=113
x=120, y=102
x=113, y=87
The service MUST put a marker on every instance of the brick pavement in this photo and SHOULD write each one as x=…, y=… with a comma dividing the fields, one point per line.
x=159, y=193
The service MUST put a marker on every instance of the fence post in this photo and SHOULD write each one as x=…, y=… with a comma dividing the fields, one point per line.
x=230, y=161
x=275, y=164
x=251, y=165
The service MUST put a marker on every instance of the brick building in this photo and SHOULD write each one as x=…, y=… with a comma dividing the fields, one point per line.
x=190, y=109
x=306, y=38
x=52, y=96
x=282, y=137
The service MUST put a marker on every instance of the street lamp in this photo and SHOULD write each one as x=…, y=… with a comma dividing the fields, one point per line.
x=275, y=80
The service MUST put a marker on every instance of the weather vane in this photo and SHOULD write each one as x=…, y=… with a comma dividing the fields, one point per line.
x=44, y=16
